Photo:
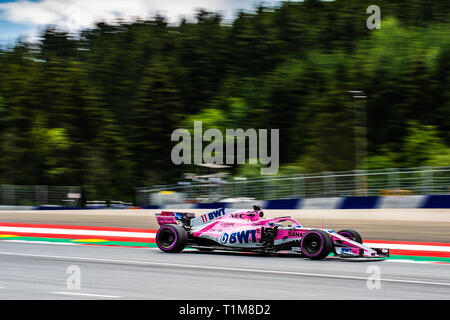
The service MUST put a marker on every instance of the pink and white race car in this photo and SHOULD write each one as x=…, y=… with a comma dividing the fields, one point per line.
x=248, y=231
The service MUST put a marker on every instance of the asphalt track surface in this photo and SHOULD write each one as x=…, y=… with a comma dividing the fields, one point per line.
x=40, y=271
x=429, y=225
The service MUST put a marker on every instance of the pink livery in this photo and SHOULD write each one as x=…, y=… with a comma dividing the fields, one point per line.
x=245, y=230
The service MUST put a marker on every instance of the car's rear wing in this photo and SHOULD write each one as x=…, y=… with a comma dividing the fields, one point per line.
x=169, y=217
x=188, y=219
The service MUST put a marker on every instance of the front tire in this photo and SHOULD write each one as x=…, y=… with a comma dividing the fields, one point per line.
x=171, y=238
x=351, y=234
x=316, y=244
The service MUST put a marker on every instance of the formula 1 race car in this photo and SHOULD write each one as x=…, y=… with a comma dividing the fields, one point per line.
x=244, y=230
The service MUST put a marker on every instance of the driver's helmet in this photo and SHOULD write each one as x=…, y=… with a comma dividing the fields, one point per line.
x=258, y=211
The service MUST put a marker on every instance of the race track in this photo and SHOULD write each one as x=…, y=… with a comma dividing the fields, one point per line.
x=36, y=270
x=39, y=271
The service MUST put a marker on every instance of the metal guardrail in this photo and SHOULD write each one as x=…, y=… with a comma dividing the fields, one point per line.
x=391, y=181
x=35, y=195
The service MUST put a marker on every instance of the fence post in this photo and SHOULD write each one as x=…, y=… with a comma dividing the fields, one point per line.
x=424, y=181
x=393, y=179
x=356, y=180
x=328, y=183
x=9, y=194
x=293, y=186
x=432, y=181
x=365, y=182
x=300, y=185
x=332, y=184
x=40, y=194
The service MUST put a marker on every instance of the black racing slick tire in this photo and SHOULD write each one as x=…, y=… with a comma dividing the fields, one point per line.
x=171, y=238
x=351, y=234
x=316, y=244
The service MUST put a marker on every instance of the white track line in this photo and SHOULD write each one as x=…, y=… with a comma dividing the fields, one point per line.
x=410, y=261
x=434, y=248
x=199, y=267
x=84, y=294
x=42, y=242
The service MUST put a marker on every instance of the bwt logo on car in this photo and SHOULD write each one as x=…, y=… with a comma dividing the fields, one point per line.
x=216, y=214
x=241, y=237
x=212, y=215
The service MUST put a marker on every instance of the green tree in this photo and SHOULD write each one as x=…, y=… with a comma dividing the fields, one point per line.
x=423, y=146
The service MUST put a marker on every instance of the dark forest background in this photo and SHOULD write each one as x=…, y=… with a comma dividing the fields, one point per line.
x=97, y=109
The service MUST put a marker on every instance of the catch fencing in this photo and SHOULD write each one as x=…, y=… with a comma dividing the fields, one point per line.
x=382, y=182
x=36, y=195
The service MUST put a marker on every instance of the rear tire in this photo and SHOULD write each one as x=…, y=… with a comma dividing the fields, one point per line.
x=316, y=244
x=171, y=238
x=351, y=234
